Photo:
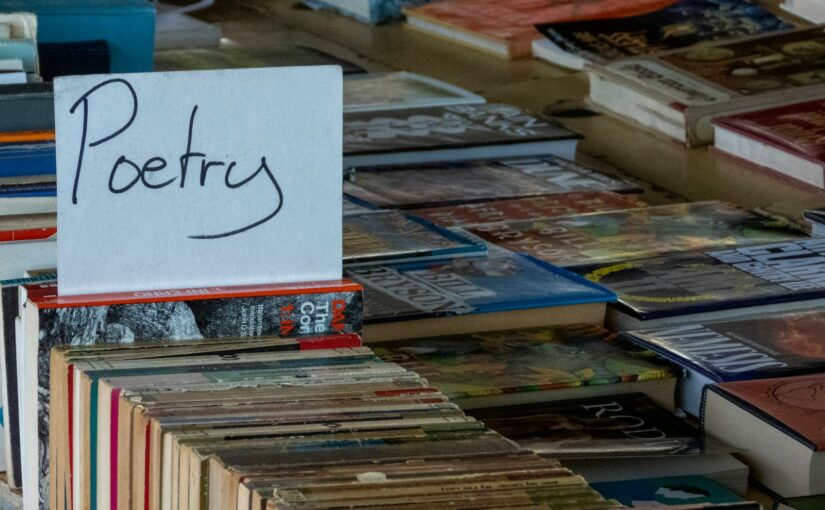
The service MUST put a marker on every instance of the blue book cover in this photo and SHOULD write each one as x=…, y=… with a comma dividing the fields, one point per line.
x=682, y=23
x=731, y=278
x=756, y=347
x=128, y=26
x=502, y=281
x=671, y=490
x=19, y=159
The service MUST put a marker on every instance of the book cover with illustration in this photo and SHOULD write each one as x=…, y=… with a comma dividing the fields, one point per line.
x=607, y=426
x=466, y=367
x=49, y=320
x=615, y=236
x=384, y=236
x=678, y=25
x=528, y=208
x=399, y=136
x=685, y=284
x=468, y=285
x=506, y=27
x=411, y=186
x=666, y=491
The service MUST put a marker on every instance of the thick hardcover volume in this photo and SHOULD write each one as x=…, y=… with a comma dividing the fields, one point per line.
x=520, y=361
x=446, y=127
x=687, y=283
x=380, y=236
x=708, y=80
x=795, y=405
x=511, y=22
x=679, y=25
x=409, y=186
x=614, y=425
x=753, y=348
x=499, y=282
x=572, y=241
x=285, y=310
x=528, y=208
x=798, y=128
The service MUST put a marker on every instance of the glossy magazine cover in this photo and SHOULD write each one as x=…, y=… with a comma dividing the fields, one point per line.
x=571, y=241
x=485, y=364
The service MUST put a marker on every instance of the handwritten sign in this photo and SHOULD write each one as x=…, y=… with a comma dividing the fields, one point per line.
x=201, y=178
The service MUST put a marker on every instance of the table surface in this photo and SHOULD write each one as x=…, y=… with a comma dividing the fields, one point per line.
x=266, y=30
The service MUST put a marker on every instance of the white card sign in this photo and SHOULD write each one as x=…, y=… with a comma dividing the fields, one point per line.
x=198, y=178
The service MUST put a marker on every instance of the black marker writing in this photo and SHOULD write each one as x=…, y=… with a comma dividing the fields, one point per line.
x=150, y=174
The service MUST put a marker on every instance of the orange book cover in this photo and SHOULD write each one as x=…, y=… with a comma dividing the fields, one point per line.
x=513, y=21
x=27, y=136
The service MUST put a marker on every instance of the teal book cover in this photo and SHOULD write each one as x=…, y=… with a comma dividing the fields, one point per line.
x=668, y=491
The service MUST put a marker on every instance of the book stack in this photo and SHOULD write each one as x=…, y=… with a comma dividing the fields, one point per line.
x=246, y=425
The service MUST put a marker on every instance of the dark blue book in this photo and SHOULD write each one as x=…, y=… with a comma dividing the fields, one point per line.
x=666, y=491
x=31, y=158
x=756, y=347
x=679, y=25
x=472, y=294
x=714, y=285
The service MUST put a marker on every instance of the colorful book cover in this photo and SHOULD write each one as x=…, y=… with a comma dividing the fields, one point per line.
x=512, y=21
x=797, y=128
x=571, y=241
x=666, y=491
x=783, y=61
x=392, y=236
x=696, y=282
x=476, y=181
x=528, y=208
x=286, y=310
x=752, y=348
x=499, y=282
x=678, y=25
x=794, y=404
x=609, y=426
x=446, y=127
x=487, y=364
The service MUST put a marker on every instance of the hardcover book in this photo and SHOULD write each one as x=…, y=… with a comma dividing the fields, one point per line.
x=532, y=365
x=49, y=320
x=450, y=133
x=679, y=92
x=614, y=236
x=678, y=25
x=777, y=423
x=400, y=90
x=506, y=28
x=416, y=186
x=723, y=284
x=528, y=208
x=390, y=236
x=756, y=347
x=788, y=140
x=473, y=294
